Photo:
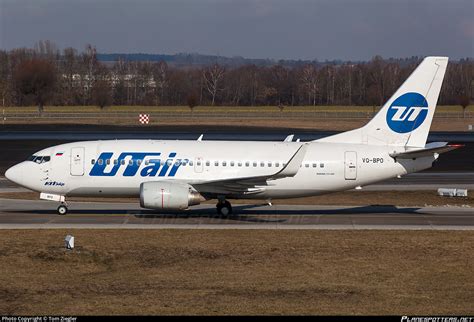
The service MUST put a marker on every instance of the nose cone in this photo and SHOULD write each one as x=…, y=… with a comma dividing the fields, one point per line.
x=15, y=174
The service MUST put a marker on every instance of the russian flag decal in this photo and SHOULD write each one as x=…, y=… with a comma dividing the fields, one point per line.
x=59, y=154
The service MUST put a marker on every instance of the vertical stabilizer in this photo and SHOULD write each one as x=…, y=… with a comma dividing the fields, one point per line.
x=405, y=119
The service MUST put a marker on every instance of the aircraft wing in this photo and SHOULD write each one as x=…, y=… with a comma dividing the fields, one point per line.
x=428, y=150
x=251, y=185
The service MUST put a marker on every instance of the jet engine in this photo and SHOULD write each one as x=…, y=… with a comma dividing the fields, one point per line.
x=166, y=195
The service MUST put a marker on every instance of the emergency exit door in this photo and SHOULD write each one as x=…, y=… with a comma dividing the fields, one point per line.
x=77, y=161
x=350, y=165
x=198, y=164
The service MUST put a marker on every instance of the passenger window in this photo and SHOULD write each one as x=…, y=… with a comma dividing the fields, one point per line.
x=177, y=163
x=168, y=162
x=322, y=165
x=314, y=165
x=198, y=162
x=139, y=162
x=247, y=164
x=231, y=163
x=269, y=164
x=130, y=162
x=277, y=164
x=100, y=162
x=122, y=162
x=115, y=161
x=255, y=164
x=191, y=163
x=92, y=161
x=108, y=161
x=307, y=165
x=216, y=163
x=146, y=162
x=262, y=164
x=208, y=163
x=240, y=164
x=224, y=163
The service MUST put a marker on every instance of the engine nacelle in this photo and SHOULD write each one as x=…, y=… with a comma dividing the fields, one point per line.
x=165, y=195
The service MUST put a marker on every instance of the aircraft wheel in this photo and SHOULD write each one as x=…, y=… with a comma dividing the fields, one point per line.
x=62, y=210
x=224, y=208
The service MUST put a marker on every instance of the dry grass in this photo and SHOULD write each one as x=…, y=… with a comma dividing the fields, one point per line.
x=237, y=272
x=257, y=116
x=323, y=124
x=348, y=198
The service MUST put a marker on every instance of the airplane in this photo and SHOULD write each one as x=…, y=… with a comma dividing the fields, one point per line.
x=171, y=175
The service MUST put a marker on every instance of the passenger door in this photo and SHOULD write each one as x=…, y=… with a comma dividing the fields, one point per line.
x=350, y=165
x=77, y=161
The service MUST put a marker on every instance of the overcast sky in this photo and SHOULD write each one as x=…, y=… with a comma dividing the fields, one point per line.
x=287, y=29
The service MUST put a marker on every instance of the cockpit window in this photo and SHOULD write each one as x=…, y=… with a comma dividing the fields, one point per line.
x=39, y=159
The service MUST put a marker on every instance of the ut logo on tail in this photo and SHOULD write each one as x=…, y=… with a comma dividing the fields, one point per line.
x=407, y=112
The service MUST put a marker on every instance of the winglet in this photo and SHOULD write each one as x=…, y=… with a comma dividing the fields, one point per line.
x=293, y=165
x=289, y=138
x=200, y=137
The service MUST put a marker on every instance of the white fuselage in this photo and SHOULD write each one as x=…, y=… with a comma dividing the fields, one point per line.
x=118, y=167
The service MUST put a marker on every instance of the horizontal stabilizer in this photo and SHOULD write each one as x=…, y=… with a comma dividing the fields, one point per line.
x=428, y=150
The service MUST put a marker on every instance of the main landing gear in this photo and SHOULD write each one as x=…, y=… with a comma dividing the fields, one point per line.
x=62, y=209
x=223, y=207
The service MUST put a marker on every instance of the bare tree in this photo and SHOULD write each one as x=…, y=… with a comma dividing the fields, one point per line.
x=36, y=78
x=161, y=79
x=212, y=77
x=46, y=49
x=309, y=78
x=376, y=79
x=119, y=82
x=101, y=90
x=146, y=83
x=279, y=78
x=192, y=101
x=101, y=94
x=69, y=73
x=5, y=84
x=464, y=101
x=89, y=64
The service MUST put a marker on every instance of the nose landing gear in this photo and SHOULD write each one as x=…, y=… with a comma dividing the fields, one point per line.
x=62, y=209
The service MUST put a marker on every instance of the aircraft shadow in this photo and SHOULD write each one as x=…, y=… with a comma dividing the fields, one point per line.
x=242, y=213
x=247, y=212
